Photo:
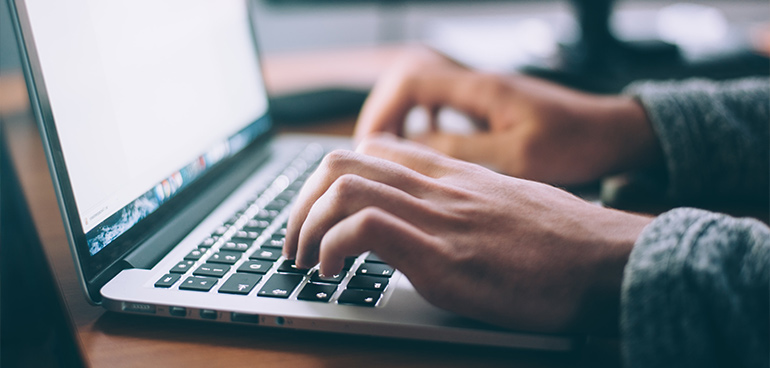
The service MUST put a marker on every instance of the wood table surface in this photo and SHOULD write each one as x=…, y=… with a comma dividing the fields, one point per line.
x=109, y=339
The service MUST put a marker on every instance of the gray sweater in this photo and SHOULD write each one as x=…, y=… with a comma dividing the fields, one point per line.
x=696, y=288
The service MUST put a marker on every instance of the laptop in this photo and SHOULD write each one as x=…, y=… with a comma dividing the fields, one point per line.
x=174, y=188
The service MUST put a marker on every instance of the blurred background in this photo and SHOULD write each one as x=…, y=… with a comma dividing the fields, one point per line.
x=489, y=34
x=594, y=45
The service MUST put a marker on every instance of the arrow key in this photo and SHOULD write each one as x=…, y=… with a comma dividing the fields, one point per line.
x=317, y=292
x=240, y=283
x=198, y=283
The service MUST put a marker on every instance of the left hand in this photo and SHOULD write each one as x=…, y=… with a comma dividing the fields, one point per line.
x=507, y=251
x=528, y=127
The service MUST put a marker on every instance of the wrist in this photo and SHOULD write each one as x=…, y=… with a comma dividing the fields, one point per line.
x=601, y=306
x=635, y=140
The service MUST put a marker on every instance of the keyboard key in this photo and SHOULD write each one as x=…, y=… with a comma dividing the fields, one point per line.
x=368, y=282
x=280, y=285
x=234, y=218
x=373, y=258
x=208, y=242
x=194, y=255
x=266, y=254
x=259, y=267
x=296, y=186
x=167, y=280
x=220, y=230
x=288, y=194
x=245, y=236
x=365, y=298
x=288, y=266
x=182, y=267
x=240, y=283
x=277, y=205
x=236, y=246
x=375, y=269
x=225, y=256
x=349, y=261
x=336, y=279
x=198, y=283
x=277, y=241
x=257, y=226
x=317, y=292
x=266, y=215
x=212, y=269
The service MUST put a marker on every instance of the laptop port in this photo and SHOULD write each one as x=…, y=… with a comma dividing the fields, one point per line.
x=138, y=307
x=208, y=314
x=243, y=317
x=177, y=311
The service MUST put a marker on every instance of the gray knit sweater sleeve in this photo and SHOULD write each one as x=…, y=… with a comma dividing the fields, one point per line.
x=695, y=293
x=696, y=289
x=714, y=136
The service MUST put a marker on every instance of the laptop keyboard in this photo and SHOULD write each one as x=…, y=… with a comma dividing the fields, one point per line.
x=243, y=255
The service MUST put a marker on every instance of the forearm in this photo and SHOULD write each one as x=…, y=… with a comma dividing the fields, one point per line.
x=695, y=292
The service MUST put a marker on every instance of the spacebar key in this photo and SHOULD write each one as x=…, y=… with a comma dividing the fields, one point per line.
x=280, y=285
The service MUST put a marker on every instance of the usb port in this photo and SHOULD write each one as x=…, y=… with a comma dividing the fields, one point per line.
x=243, y=317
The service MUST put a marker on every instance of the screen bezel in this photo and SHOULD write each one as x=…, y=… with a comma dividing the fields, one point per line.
x=95, y=270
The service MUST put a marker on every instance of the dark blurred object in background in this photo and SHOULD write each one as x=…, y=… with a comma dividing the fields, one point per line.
x=598, y=61
x=35, y=328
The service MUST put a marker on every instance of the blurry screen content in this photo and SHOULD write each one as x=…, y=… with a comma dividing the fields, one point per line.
x=146, y=96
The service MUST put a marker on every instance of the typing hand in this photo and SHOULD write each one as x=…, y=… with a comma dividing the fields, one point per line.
x=503, y=250
x=529, y=128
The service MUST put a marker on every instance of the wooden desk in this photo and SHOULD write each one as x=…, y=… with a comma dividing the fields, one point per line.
x=110, y=339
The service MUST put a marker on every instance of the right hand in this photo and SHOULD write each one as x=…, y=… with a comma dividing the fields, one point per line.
x=510, y=252
x=530, y=128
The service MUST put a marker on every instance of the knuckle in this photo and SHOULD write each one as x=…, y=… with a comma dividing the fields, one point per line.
x=370, y=221
x=450, y=145
x=372, y=143
x=337, y=160
x=521, y=161
x=346, y=186
x=492, y=88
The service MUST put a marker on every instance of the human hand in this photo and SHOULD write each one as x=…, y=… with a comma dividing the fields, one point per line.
x=530, y=128
x=507, y=251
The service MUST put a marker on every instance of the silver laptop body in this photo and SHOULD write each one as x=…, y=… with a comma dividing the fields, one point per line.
x=172, y=186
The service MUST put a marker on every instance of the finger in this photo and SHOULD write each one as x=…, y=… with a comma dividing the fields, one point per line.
x=396, y=94
x=433, y=118
x=386, y=107
x=481, y=148
x=414, y=156
x=399, y=243
x=338, y=163
x=348, y=195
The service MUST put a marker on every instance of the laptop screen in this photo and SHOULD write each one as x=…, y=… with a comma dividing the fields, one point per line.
x=147, y=96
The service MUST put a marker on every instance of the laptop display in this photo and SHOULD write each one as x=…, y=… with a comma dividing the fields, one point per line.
x=132, y=134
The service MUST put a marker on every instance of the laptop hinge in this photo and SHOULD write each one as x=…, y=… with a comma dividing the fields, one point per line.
x=151, y=251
